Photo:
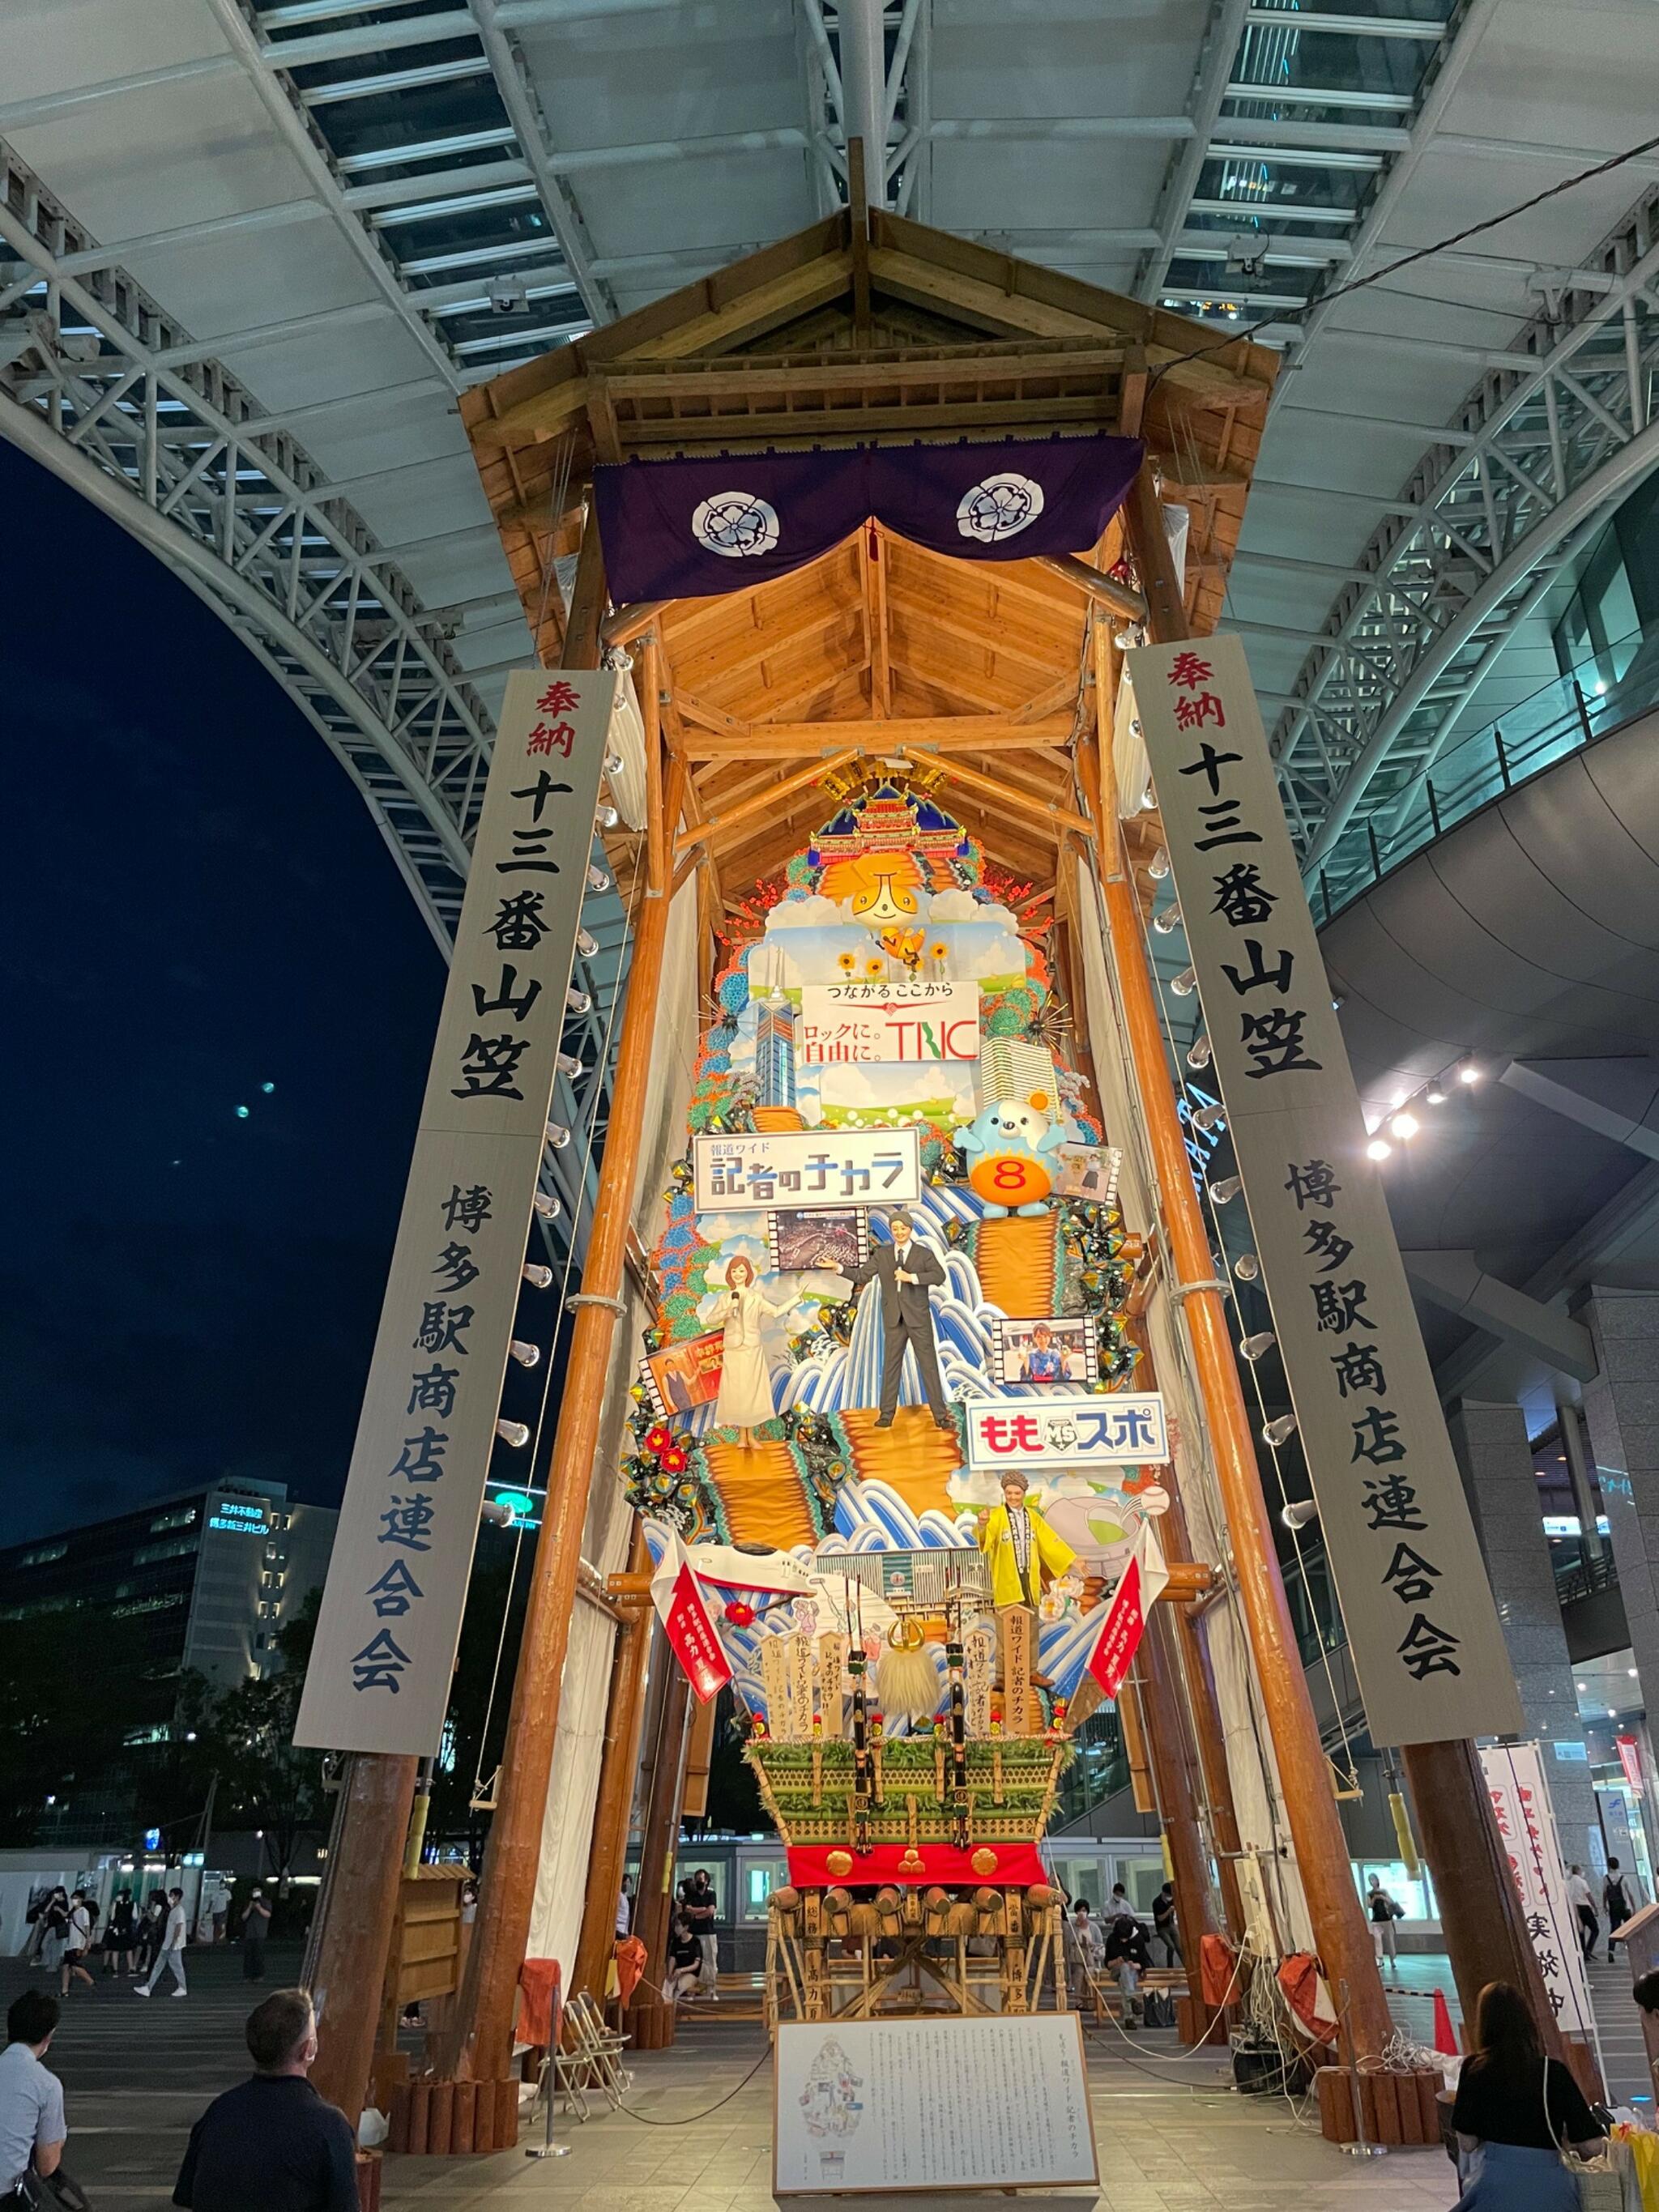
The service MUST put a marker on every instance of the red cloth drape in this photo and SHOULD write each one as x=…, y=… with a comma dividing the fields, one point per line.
x=538, y=2015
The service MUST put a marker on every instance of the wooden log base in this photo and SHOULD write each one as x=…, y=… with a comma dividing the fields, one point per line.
x=449, y=2119
x=1402, y=2111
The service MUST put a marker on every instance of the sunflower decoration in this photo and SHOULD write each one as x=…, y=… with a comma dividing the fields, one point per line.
x=874, y=969
x=847, y=963
x=938, y=950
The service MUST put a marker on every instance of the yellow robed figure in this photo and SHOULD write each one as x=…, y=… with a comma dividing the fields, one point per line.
x=1013, y=1534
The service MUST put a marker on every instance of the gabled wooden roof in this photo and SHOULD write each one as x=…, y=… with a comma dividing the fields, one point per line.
x=840, y=337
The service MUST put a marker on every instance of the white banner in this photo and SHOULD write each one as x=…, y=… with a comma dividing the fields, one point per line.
x=1421, y=1623
x=755, y=1168
x=1526, y=1828
x=1056, y=1432
x=844, y=1024
x=384, y=1650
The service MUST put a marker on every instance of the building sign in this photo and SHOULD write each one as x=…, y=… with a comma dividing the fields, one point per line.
x=1526, y=1829
x=1630, y=1757
x=1056, y=1432
x=380, y=1673
x=233, y=1520
x=1418, y=1609
x=851, y=1023
x=807, y=1167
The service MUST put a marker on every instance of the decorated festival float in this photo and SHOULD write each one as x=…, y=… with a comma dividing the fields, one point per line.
x=888, y=1448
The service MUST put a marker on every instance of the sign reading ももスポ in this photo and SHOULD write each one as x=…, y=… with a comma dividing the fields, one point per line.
x=1421, y=1623
x=380, y=1673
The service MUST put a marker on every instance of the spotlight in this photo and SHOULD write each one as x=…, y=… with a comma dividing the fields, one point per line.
x=571, y=1066
x=577, y=1001
x=513, y=1432
x=1247, y=1267
x=497, y=1514
x=557, y=1135
x=549, y=1208
x=527, y=1355
x=1405, y=1127
x=1378, y=1149
x=1281, y=1431
x=597, y=880
x=1198, y=1053
x=1168, y=922
x=587, y=944
x=1468, y=1072
x=1435, y=1097
x=613, y=764
x=1149, y=800
x=1253, y=1347
x=1158, y=867
x=1209, y=1117
x=1298, y=1515
x=606, y=818
x=1185, y=983
x=1227, y=1189
x=538, y=1277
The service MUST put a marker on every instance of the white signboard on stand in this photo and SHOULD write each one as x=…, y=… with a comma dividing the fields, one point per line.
x=749, y=1169
x=1064, y=1429
x=956, y=2104
x=1526, y=1828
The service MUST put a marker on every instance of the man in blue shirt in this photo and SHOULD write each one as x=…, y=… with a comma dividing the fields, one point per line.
x=32, y=2129
x=272, y=2145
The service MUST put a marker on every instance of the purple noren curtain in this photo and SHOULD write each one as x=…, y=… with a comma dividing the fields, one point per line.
x=694, y=529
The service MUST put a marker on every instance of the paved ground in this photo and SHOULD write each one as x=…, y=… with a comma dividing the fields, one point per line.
x=1172, y=2137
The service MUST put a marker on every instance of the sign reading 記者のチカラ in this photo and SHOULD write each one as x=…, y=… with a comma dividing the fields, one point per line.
x=750, y=1168
x=1421, y=1623
x=379, y=1678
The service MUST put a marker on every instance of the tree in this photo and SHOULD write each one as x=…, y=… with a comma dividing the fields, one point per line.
x=245, y=1738
x=69, y=1702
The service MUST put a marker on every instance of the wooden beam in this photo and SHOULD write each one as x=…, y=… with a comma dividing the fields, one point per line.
x=1118, y=597
x=626, y=623
x=581, y=630
x=1050, y=813
x=949, y=733
x=1165, y=601
x=1052, y=701
x=764, y=801
x=658, y=828
x=874, y=544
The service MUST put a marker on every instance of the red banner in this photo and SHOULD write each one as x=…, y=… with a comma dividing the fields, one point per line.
x=692, y=1638
x=812, y=1866
x=1126, y=1622
x=1630, y=1757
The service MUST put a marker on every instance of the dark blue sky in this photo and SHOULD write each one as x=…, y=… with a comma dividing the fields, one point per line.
x=199, y=905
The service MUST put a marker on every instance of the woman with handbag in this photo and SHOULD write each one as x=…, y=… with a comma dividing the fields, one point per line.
x=1521, y=2120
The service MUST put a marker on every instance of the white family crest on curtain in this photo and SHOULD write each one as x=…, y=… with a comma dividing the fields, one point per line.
x=1000, y=507
x=735, y=523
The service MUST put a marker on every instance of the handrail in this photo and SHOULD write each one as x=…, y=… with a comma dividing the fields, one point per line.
x=1577, y=709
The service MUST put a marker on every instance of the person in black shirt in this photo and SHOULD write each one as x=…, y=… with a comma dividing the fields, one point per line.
x=684, y=1959
x=1512, y=2131
x=1127, y=1956
x=272, y=2145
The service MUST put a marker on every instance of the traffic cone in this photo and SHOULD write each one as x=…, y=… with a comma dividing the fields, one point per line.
x=1445, y=2042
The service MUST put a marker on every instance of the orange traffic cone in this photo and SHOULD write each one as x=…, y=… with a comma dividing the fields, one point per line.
x=1444, y=2041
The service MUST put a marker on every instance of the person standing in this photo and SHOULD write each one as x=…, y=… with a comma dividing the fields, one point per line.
x=1517, y=2115
x=702, y=1910
x=256, y=1926
x=625, y=1907
x=1165, y=1931
x=1086, y=1949
x=745, y=1397
x=1384, y=1911
x=1583, y=1904
x=172, y=1954
x=1616, y=1895
x=151, y=1927
x=54, y=1923
x=905, y=1269
x=121, y=1934
x=77, y=1944
x=272, y=2144
x=32, y=2129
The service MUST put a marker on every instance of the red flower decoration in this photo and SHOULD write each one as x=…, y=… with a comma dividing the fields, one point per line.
x=739, y=1613
x=657, y=1439
x=672, y=1461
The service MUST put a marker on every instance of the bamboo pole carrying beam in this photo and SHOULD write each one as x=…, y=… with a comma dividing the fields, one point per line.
x=658, y=832
x=653, y=2021
x=1321, y=1849
x=763, y=802
x=618, y=1769
x=484, y=2014
x=1167, y=1741
x=1106, y=589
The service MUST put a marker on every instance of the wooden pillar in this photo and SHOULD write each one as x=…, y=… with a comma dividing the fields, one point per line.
x=1167, y=1739
x=582, y=624
x=1213, y=1761
x=1485, y=1931
x=484, y=2015
x=1321, y=1847
x=618, y=1771
x=355, y=1937
x=652, y=2020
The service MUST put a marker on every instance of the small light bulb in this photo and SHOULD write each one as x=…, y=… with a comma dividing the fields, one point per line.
x=578, y=1002
x=548, y=1206
x=587, y=944
x=1253, y=1347
x=613, y=764
x=1279, y=1431
x=557, y=1135
x=1227, y=1189
x=1435, y=1097
x=527, y=1355
x=538, y=1277
x=1405, y=1127
x=606, y=818
x=1198, y=1053
x=571, y=1066
x=1247, y=1267
x=1185, y=983
x=1209, y=1117
x=1149, y=800
x=1378, y=1149
x=1468, y=1072
x=513, y=1432
x=1158, y=867
x=1168, y=922
x=597, y=880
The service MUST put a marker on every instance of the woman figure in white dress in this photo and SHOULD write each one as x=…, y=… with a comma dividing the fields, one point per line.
x=745, y=1392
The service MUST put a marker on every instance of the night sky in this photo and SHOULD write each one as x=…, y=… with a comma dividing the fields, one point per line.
x=199, y=906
